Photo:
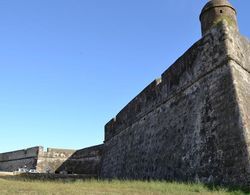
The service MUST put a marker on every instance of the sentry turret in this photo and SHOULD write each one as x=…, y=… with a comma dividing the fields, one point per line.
x=214, y=12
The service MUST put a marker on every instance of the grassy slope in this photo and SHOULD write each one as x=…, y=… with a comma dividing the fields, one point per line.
x=10, y=186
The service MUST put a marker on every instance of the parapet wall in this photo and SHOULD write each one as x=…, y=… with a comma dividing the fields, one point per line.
x=11, y=161
x=188, y=125
x=143, y=103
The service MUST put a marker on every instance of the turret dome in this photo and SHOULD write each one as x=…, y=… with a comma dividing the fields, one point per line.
x=217, y=3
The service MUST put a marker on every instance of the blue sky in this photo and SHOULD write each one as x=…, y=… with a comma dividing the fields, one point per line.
x=69, y=66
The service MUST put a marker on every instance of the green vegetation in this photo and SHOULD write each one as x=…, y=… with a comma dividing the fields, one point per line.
x=36, y=187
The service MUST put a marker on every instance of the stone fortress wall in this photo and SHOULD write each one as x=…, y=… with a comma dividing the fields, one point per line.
x=11, y=161
x=192, y=124
x=51, y=159
x=85, y=161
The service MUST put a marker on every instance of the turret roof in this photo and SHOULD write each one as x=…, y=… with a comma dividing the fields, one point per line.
x=217, y=3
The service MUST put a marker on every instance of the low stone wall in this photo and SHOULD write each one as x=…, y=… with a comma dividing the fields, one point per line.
x=53, y=176
x=3, y=174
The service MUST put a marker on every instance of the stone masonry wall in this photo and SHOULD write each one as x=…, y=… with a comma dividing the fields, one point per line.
x=11, y=161
x=85, y=161
x=188, y=125
x=239, y=53
x=49, y=161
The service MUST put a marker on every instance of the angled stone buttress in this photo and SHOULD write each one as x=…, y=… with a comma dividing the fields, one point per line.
x=192, y=124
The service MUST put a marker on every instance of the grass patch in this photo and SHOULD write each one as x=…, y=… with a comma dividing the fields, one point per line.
x=16, y=185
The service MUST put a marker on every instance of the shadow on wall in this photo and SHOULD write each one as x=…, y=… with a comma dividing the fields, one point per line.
x=85, y=161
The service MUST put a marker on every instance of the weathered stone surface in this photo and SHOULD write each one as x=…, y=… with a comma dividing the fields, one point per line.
x=49, y=161
x=192, y=124
x=11, y=161
x=85, y=161
x=216, y=10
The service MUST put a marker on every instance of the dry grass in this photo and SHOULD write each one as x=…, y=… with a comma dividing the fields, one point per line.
x=21, y=186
